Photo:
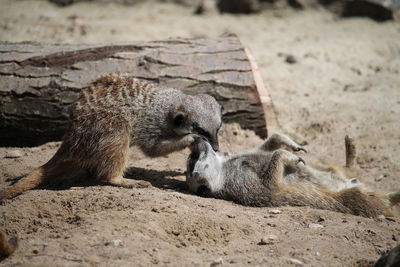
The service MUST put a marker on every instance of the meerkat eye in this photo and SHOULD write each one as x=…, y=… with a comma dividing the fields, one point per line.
x=178, y=120
x=201, y=131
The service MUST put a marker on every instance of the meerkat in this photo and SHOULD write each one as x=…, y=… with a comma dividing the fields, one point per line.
x=116, y=112
x=271, y=175
x=7, y=246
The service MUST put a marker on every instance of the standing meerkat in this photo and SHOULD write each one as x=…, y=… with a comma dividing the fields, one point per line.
x=116, y=112
x=272, y=176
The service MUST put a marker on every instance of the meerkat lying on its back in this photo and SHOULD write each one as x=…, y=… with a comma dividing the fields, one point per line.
x=272, y=176
x=116, y=112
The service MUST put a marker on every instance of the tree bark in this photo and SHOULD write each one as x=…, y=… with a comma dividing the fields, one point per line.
x=39, y=82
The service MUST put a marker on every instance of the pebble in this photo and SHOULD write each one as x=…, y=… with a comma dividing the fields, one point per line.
x=290, y=59
x=115, y=243
x=216, y=262
x=268, y=240
x=275, y=211
x=295, y=261
x=14, y=154
x=381, y=217
x=315, y=226
x=176, y=233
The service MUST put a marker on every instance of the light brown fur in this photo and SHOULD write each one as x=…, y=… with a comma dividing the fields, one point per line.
x=116, y=112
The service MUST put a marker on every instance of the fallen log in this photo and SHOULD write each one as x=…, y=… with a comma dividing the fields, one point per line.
x=39, y=82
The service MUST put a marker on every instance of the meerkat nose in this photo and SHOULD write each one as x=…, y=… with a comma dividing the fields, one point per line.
x=215, y=147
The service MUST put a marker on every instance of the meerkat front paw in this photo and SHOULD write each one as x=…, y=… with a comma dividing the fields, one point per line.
x=129, y=183
x=190, y=139
x=289, y=158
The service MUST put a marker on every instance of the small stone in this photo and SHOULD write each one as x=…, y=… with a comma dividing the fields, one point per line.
x=295, y=261
x=176, y=233
x=290, y=59
x=114, y=243
x=268, y=240
x=14, y=154
x=380, y=178
x=315, y=226
x=155, y=210
x=275, y=211
x=216, y=262
x=381, y=217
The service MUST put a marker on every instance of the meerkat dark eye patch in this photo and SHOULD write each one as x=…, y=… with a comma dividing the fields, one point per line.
x=193, y=158
x=201, y=131
x=178, y=120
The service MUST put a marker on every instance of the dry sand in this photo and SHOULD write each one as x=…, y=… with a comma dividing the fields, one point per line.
x=345, y=81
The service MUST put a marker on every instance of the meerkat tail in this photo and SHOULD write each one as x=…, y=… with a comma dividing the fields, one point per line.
x=350, y=152
x=56, y=166
x=394, y=198
x=31, y=181
x=7, y=246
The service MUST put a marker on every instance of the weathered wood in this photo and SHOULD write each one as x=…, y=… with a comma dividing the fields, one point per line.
x=39, y=82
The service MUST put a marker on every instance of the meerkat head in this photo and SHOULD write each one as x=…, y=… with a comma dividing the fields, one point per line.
x=200, y=115
x=204, y=169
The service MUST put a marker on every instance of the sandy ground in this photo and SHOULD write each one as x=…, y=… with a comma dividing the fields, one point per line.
x=345, y=81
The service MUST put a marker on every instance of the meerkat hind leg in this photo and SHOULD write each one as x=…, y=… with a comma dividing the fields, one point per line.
x=114, y=163
x=276, y=167
x=277, y=141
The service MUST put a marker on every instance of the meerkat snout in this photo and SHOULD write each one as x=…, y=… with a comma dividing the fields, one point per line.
x=199, y=115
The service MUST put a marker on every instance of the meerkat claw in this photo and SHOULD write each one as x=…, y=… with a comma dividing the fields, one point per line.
x=300, y=148
x=301, y=160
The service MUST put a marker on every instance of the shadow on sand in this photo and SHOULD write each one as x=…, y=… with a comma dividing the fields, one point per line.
x=159, y=179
